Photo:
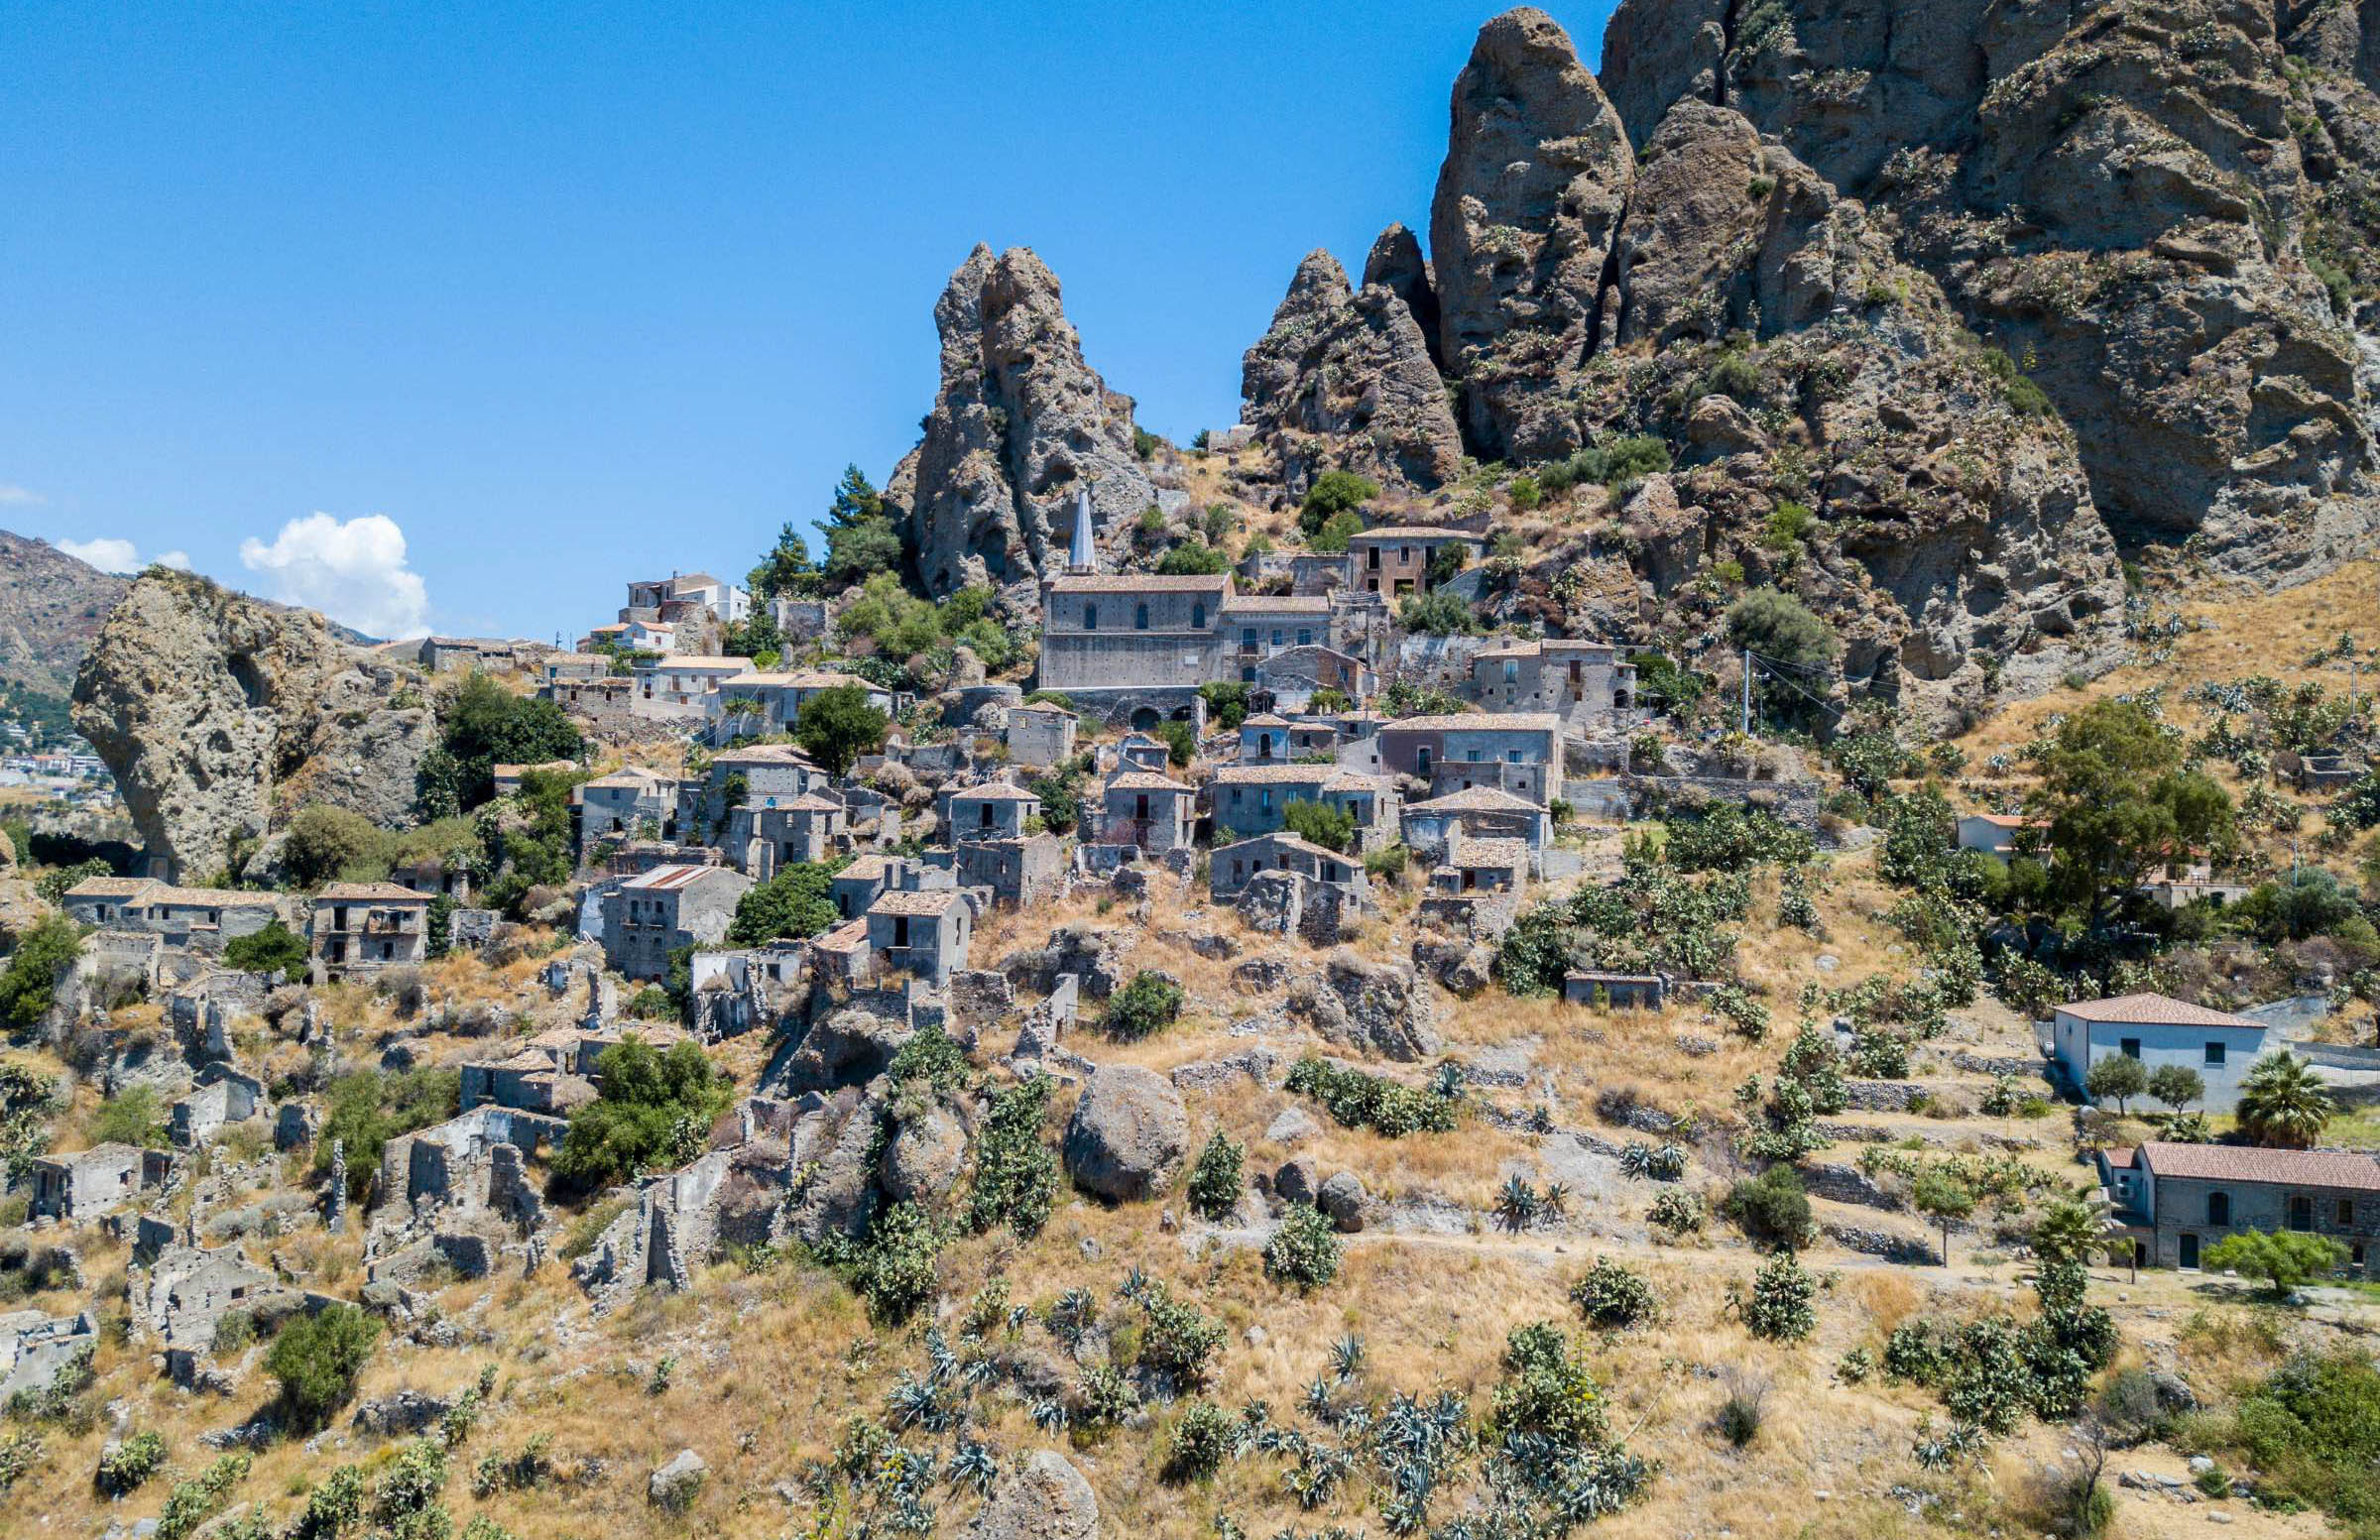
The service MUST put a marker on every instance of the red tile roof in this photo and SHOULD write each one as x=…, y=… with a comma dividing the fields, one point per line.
x=2281, y=1167
x=2153, y=1011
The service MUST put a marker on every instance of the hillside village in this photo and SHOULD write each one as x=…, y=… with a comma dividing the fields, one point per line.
x=1492, y=951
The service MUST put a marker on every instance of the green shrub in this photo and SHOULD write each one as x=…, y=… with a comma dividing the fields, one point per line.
x=1612, y=1295
x=1015, y=1173
x=1778, y=1307
x=2284, y=1258
x=271, y=948
x=133, y=1116
x=1305, y=1251
x=318, y=1360
x=1359, y=1100
x=895, y=1267
x=193, y=1502
x=125, y=1465
x=1216, y=1179
x=654, y=1112
x=1331, y=827
x=1178, y=1339
x=1200, y=1442
x=1145, y=1006
x=29, y=984
x=1772, y=1206
x=1676, y=1212
x=1334, y=493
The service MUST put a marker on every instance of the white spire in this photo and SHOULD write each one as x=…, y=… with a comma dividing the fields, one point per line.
x=1081, y=555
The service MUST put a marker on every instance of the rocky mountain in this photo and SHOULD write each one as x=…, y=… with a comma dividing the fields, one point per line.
x=50, y=608
x=1020, y=423
x=218, y=713
x=2162, y=210
x=1344, y=378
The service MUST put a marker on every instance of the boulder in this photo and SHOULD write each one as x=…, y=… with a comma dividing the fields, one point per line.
x=923, y=1159
x=1046, y=1499
x=1344, y=1199
x=1128, y=1134
x=1374, y=1007
x=675, y=1485
x=1292, y=1126
x=1299, y=1180
x=848, y=1048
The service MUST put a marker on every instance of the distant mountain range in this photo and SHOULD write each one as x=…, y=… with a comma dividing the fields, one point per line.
x=50, y=608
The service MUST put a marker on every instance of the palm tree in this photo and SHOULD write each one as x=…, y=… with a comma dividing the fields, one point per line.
x=2282, y=1102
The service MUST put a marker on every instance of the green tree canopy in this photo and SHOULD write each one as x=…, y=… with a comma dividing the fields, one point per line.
x=797, y=902
x=2176, y=1085
x=274, y=948
x=483, y=726
x=1780, y=629
x=655, y=1110
x=2283, y=1258
x=1944, y=1199
x=1332, y=828
x=29, y=984
x=1333, y=493
x=2118, y=1078
x=2282, y=1102
x=2116, y=802
x=837, y=726
x=318, y=1360
x=785, y=568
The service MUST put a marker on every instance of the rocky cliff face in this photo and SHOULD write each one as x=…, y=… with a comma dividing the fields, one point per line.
x=2162, y=211
x=1343, y=381
x=217, y=714
x=51, y=607
x=1020, y=423
x=1530, y=204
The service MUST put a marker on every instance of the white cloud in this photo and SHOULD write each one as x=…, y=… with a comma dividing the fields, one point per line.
x=353, y=571
x=178, y=561
x=11, y=493
x=107, y=555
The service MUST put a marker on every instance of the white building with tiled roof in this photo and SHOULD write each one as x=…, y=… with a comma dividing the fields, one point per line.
x=2157, y=1030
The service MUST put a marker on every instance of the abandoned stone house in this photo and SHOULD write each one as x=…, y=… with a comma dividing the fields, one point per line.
x=1483, y=812
x=994, y=810
x=1471, y=865
x=362, y=928
x=1516, y=752
x=186, y=1292
x=647, y=917
x=923, y=934
x=598, y=699
x=435, y=876
x=1027, y=870
x=1150, y=810
x=1256, y=627
x=758, y=776
x=221, y=1096
x=1230, y=868
x=96, y=1181
x=858, y=885
x=682, y=688
x=630, y=802
x=1139, y=751
x=510, y=778
x=1395, y=559
x=1253, y=798
x=2175, y=1200
x=1614, y=991
x=759, y=704
x=1264, y=740
x=1582, y=683
x=477, y=1161
x=1039, y=734
x=765, y=836
x=1294, y=675
x=37, y=1349
x=201, y=918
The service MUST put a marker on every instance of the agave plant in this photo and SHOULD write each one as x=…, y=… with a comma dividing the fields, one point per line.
x=1448, y=1084
x=1555, y=1202
x=1516, y=1204
x=1135, y=1285
x=1347, y=1357
x=1049, y=1414
x=973, y=1465
x=1318, y=1398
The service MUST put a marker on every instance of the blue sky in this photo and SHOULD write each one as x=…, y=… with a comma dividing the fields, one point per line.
x=531, y=301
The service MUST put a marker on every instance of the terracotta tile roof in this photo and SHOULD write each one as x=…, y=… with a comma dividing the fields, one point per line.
x=221, y=897
x=2153, y=1011
x=1414, y=531
x=2282, y=1168
x=799, y=680
x=1356, y=780
x=1479, y=722
x=808, y=802
x=993, y=791
x=697, y=663
x=1497, y=855
x=112, y=887
x=1146, y=780
x=1274, y=774
x=2000, y=820
x=1277, y=604
x=1479, y=800
x=765, y=754
x=371, y=892
x=870, y=868
x=845, y=938
x=1140, y=583
x=1265, y=719
x=935, y=901
x=1293, y=841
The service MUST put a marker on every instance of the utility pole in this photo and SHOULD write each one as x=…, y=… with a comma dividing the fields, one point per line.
x=1747, y=692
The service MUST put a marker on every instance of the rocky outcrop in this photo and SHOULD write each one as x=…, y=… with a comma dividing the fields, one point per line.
x=1128, y=1134
x=1522, y=228
x=1046, y=1498
x=219, y=714
x=52, y=607
x=1378, y=1008
x=1396, y=263
x=1020, y=423
x=2163, y=215
x=1342, y=381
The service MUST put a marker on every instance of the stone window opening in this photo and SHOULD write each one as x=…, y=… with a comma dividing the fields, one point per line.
x=1090, y=617
x=2214, y=1055
x=2346, y=1212
x=1140, y=616
x=2301, y=1212
x=1198, y=616
x=2218, y=1208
